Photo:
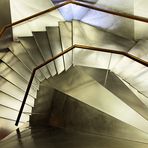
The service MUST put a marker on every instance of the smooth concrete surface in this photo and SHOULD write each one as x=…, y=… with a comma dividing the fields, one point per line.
x=41, y=39
x=42, y=106
x=56, y=47
x=11, y=114
x=137, y=93
x=12, y=61
x=15, y=103
x=3, y=52
x=7, y=126
x=134, y=73
x=32, y=49
x=44, y=100
x=141, y=28
x=88, y=1
x=85, y=34
x=117, y=87
x=73, y=12
x=92, y=36
x=74, y=82
x=23, y=8
x=5, y=18
x=18, y=50
x=55, y=138
x=12, y=90
x=66, y=41
x=68, y=112
x=115, y=24
x=13, y=77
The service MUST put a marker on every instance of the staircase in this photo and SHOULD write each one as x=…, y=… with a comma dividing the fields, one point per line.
x=83, y=98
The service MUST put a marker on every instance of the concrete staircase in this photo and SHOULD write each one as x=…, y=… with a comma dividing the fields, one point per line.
x=81, y=95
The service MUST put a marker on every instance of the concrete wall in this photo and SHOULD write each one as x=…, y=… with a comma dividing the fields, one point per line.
x=5, y=18
x=67, y=112
x=141, y=9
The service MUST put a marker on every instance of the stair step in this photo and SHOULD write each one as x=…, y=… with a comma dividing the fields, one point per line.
x=44, y=98
x=117, y=87
x=58, y=137
x=12, y=90
x=32, y=49
x=16, y=79
x=24, y=133
x=8, y=127
x=74, y=82
x=66, y=40
x=56, y=47
x=70, y=113
x=9, y=113
x=15, y=134
x=98, y=38
x=41, y=39
x=135, y=73
x=13, y=103
x=13, y=62
x=137, y=93
x=18, y=50
x=36, y=24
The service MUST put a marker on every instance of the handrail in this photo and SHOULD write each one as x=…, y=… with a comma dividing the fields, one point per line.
x=145, y=63
x=86, y=5
x=32, y=16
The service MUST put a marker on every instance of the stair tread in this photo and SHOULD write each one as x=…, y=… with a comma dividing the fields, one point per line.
x=32, y=49
x=19, y=51
x=117, y=87
x=56, y=48
x=85, y=34
x=134, y=72
x=48, y=136
x=44, y=47
x=44, y=98
x=66, y=41
x=37, y=24
x=13, y=62
x=5, y=113
x=12, y=90
x=16, y=79
x=74, y=81
x=68, y=112
x=6, y=99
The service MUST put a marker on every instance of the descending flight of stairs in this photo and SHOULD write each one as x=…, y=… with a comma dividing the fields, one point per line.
x=95, y=97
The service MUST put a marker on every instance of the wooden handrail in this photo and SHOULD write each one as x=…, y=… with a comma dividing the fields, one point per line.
x=33, y=16
x=145, y=63
x=86, y=5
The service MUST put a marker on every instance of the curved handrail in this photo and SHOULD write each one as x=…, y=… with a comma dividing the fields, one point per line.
x=86, y=5
x=145, y=63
